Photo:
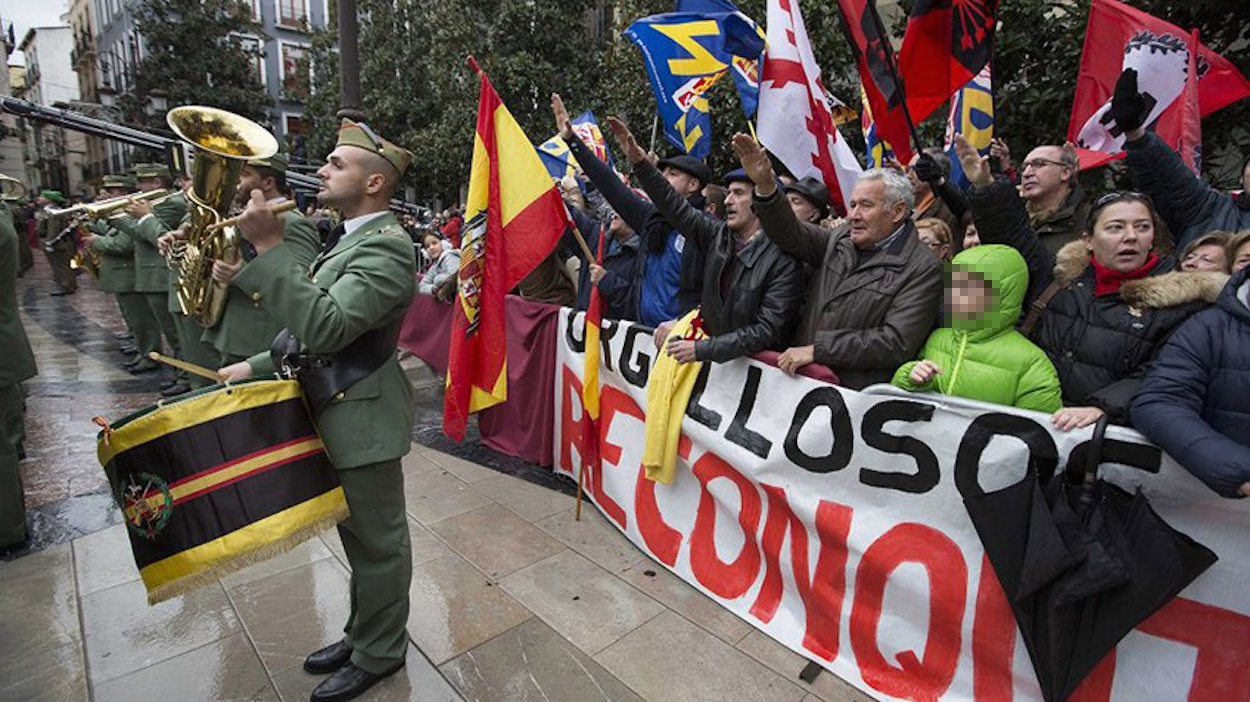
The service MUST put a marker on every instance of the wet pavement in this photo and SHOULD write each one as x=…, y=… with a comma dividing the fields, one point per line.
x=511, y=598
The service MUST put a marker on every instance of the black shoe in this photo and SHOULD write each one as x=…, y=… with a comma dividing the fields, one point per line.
x=144, y=366
x=348, y=682
x=175, y=390
x=167, y=384
x=328, y=659
x=58, y=293
x=128, y=349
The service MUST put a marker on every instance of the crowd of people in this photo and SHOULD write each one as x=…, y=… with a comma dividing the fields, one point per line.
x=1020, y=289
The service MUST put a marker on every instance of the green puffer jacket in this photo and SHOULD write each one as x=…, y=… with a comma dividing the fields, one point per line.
x=988, y=359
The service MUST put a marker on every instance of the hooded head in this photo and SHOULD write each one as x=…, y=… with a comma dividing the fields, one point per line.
x=985, y=289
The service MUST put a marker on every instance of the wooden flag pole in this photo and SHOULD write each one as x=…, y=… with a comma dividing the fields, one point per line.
x=655, y=130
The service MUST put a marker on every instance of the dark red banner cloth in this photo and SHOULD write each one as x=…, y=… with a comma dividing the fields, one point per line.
x=522, y=426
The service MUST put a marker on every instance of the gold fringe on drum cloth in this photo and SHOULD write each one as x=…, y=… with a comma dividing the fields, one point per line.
x=198, y=579
x=219, y=480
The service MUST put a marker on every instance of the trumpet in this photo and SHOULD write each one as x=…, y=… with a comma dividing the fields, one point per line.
x=11, y=189
x=102, y=209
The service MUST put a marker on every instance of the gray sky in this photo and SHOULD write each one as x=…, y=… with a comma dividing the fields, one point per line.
x=25, y=14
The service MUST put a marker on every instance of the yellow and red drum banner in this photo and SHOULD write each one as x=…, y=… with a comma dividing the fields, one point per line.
x=217, y=481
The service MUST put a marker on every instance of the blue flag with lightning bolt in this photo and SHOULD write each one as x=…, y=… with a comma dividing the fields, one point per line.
x=972, y=114
x=685, y=53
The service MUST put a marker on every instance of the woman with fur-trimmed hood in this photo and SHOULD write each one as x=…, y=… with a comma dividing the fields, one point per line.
x=1110, y=301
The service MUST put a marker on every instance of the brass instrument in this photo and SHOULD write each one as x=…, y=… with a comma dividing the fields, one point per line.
x=275, y=209
x=11, y=189
x=224, y=142
x=103, y=209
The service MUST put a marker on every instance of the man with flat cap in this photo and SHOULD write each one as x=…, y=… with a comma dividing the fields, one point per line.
x=344, y=314
x=669, y=279
x=752, y=290
x=112, y=239
x=247, y=327
x=809, y=198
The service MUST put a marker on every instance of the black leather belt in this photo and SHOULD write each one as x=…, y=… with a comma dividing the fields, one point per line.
x=323, y=376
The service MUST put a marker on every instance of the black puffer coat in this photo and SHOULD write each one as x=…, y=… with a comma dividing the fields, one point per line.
x=1195, y=402
x=1102, y=347
x=765, y=283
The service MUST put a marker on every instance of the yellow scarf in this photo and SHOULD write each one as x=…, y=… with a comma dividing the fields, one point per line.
x=668, y=393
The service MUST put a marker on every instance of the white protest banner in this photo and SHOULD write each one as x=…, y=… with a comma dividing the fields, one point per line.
x=834, y=521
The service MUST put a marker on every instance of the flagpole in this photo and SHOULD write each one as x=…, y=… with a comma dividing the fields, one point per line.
x=888, y=49
x=655, y=129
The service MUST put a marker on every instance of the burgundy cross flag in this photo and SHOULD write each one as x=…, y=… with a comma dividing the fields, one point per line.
x=795, y=111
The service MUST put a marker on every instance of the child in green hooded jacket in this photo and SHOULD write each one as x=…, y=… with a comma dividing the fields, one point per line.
x=980, y=355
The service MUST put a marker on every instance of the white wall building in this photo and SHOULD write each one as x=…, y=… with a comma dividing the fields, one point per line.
x=54, y=156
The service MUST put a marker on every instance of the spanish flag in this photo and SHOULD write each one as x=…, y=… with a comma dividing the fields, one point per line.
x=590, y=371
x=513, y=218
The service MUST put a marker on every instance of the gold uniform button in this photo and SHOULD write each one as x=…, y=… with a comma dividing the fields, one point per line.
x=256, y=296
x=338, y=396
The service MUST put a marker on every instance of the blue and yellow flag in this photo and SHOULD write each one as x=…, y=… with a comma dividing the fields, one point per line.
x=878, y=149
x=559, y=160
x=746, y=49
x=685, y=53
x=972, y=114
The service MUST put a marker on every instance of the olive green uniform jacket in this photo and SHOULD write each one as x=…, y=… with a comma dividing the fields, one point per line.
x=152, y=274
x=246, y=326
x=117, y=257
x=366, y=281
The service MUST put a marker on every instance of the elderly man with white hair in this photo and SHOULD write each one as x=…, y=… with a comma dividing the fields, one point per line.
x=876, y=290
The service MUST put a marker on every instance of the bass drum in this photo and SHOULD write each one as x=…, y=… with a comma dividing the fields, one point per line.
x=218, y=480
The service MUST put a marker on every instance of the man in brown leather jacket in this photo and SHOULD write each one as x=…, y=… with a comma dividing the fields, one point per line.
x=876, y=291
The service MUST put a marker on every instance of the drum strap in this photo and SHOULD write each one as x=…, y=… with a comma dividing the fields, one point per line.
x=322, y=376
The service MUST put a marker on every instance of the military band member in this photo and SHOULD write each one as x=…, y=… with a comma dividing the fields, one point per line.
x=346, y=313
x=113, y=240
x=58, y=245
x=151, y=270
x=246, y=327
x=17, y=363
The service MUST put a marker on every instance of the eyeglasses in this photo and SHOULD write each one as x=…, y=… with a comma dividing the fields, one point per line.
x=1115, y=196
x=1039, y=163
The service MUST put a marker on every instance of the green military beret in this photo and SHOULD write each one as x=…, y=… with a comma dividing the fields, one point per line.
x=151, y=170
x=277, y=162
x=360, y=135
x=53, y=195
x=114, y=180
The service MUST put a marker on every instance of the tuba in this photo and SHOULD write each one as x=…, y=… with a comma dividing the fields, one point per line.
x=224, y=142
x=11, y=189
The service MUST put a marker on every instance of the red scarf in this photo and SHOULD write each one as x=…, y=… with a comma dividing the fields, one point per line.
x=1108, y=280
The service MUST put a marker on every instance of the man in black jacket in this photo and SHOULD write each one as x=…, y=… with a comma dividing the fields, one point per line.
x=669, y=277
x=752, y=291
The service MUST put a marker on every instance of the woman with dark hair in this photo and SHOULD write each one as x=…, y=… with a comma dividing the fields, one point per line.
x=1107, y=302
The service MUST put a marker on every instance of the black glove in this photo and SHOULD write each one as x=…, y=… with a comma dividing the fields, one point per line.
x=1128, y=106
x=928, y=169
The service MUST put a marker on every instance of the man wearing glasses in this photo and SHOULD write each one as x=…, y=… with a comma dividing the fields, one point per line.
x=1053, y=197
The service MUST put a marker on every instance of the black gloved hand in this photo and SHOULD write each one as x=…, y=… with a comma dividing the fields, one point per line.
x=928, y=169
x=1128, y=106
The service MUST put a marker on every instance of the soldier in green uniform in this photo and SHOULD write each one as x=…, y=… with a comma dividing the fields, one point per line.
x=113, y=240
x=58, y=245
x=17, y=363
x=345, y=312
x=152, y=222
x=246, y=327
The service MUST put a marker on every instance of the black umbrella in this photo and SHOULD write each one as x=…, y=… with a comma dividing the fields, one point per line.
x=1082, y=563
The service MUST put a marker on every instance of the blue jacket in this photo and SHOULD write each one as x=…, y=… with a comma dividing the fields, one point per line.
x=1195, y=402
x=1190, y=207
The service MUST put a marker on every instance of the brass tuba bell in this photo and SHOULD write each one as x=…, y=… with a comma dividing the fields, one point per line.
x=224, y=142
x=11, y=189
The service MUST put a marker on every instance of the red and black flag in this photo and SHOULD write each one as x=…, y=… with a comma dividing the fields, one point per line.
x=946, y=44
x=219, y=481
x=875, y=60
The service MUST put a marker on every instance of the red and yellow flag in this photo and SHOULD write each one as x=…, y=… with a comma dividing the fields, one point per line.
x=513, y=218
x=590, y=372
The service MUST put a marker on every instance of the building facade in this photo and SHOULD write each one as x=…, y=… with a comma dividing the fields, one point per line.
x=55, y=157
x=12, y=151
